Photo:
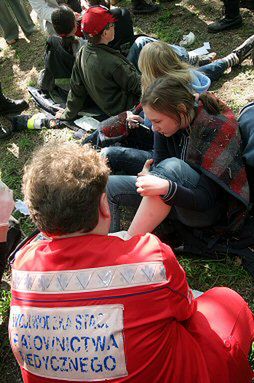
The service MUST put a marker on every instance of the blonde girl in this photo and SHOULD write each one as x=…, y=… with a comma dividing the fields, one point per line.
x=158, y=59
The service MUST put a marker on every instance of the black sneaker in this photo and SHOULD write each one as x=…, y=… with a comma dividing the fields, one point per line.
x=244, y=50
x=224, y=24
x=231, y=60
x=9, y=106
x=145, y=8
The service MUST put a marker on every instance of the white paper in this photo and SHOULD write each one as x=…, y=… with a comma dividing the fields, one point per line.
x=21, y=207
x=87, y=123
x=202, y=50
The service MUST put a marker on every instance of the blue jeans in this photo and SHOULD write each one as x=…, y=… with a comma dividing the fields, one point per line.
x=247, y=133
x=214, y=70
x=128, y=161
x=121, y=192
x=141, y=41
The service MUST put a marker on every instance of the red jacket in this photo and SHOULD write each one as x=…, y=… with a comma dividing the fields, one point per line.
x=95, y=308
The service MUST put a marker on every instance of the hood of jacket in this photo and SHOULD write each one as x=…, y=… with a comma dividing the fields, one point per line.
x=200, y=83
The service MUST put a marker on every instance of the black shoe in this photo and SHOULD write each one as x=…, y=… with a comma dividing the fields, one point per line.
x=244, y=50
x=252, y=56
x=9, y=106
x=247, y=4
x=224, y=24
x=145, y=8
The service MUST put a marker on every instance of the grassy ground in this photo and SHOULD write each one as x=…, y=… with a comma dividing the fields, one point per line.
x=20, y=65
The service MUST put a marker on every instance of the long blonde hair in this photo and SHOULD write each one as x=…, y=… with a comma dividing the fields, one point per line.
x=158, y=59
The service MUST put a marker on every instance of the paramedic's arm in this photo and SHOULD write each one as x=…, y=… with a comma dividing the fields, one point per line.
x=6, y=207
x=43, y=10
x=181, y=303
x=76, y=97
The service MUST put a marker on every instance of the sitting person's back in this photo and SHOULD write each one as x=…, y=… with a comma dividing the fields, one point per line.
x=87, y=306
x=101, y=72
x=61, y=51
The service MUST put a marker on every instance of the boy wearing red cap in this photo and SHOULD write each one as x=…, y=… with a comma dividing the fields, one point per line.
x=100, y=72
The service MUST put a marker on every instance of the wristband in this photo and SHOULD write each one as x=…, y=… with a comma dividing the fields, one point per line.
x=171, y=191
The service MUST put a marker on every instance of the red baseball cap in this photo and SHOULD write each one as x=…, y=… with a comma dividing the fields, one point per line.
x=95, y=20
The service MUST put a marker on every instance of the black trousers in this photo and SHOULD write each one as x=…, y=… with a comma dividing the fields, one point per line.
x=231, y=8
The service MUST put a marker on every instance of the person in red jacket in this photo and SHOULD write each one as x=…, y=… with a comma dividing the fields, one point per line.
x=89, y=307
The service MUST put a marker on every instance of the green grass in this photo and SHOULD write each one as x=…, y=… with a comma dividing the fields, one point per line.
x=5, y=299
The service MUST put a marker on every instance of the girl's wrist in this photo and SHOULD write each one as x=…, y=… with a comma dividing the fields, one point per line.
x=165, y=188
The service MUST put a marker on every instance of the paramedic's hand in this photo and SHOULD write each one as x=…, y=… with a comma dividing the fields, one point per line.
x=133, y=120
x=121, y=234
x=151, y=186
x=146, y=168
x=84, y=4
x=78, y=16
x=6, y=207
x=59, y=114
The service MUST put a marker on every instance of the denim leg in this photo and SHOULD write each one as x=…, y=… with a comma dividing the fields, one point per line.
x=126, y=160
x=180, y=51
x=121, y=192
x=177, y=171
x=245, y=120
x=141, y=41
x=136, y=47
x=183, y=174
x=214, y=70
x=92, y=139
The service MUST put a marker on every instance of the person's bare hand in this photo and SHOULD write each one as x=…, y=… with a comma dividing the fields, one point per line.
x=6, y=203
x=78, y=16
x=133, y=120
x=146, y=168
x=6, y=207
x=151, y=185
x=59, y=114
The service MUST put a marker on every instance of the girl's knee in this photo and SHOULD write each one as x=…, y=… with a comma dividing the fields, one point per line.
x=171, y=167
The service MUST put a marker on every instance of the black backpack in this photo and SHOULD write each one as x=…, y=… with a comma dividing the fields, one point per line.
x=13, y=238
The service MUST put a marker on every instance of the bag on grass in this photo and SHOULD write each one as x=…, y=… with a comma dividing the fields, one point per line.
x=212, y=242
x=13, y=238
x=113, y=129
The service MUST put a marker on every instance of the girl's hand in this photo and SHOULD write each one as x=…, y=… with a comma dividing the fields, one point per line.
x=146, y=168
x=150, y=185
x=133, y=120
